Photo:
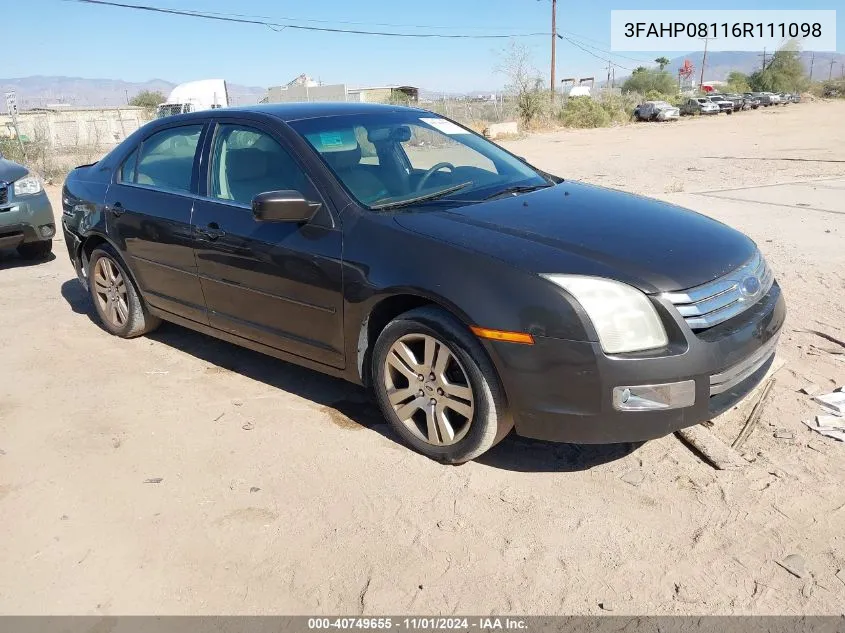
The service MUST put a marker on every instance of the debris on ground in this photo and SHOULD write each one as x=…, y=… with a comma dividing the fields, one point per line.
x=794, y=564
x=829, y=426
x=810, y=390
x=841, y=575
x=711, y=449
x=154, y=480
x=783, y=434
x=633, y=477
x=606, y=606
x=248, y=426
x=254, y=489
x=752, y=418
x=834, y=401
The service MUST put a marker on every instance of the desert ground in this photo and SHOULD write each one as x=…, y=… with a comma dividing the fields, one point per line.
x=177, y=474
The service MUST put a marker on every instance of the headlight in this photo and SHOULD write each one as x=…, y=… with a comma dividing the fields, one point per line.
x=624, y=318
x=27, y=186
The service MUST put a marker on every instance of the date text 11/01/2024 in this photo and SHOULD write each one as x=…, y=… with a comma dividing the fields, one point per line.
x=418, y=623
x=724, y=29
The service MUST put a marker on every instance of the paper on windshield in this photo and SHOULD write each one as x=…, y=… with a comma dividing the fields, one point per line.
x=447, y=127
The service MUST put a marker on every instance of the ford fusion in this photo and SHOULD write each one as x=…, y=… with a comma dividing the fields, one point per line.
x=396, y=249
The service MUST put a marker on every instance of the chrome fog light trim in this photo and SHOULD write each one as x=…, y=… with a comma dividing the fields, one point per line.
x=670, y=395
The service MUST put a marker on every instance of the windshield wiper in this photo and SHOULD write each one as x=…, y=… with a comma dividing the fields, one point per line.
x=428, y=196
x=518, y=189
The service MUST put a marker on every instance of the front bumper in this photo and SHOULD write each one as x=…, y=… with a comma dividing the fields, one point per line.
x=563, y=390
x=24, y=220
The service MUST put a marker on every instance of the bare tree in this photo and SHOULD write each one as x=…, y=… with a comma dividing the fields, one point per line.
x=523, y=80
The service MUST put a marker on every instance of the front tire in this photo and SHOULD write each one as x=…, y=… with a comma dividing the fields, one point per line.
x=35, y=250
x=437, y=388
x=116, y=299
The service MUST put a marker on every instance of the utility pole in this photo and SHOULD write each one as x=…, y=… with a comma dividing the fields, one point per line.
x=554, y=44
x=812, y=61
x=830, y=74
x=703, y=64
x=764, y=58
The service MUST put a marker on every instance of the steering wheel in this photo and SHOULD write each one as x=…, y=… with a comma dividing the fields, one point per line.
x=431, y=171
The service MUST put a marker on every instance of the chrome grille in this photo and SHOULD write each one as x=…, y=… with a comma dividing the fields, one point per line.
x=722, y=299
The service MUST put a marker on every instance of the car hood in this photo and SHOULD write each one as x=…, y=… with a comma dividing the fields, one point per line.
x=10, y=171
x=582, y=229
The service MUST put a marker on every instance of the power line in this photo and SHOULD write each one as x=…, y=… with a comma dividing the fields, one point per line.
x=589, y=52
x=277, y=26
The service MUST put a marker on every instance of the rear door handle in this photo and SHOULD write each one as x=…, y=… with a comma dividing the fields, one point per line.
x=212, y=231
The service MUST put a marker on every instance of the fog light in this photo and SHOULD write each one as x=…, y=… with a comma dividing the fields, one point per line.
x=670, y=395
x=47, y=230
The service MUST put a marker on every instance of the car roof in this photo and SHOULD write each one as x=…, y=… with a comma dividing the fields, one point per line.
x=288, y=112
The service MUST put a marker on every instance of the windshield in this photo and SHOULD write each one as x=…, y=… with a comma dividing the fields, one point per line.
x=405, y=158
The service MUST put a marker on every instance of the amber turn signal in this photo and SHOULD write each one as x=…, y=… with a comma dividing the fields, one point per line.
x=501, y=335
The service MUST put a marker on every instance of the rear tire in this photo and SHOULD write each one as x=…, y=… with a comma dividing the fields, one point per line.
x=118, y=303
x=430, y=343
x=35, y=250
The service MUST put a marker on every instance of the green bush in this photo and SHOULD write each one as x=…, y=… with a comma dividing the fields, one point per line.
x=584, y=112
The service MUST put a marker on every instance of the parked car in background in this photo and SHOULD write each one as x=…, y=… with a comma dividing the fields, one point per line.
x=738, y=101
x=699, y=105
x=446, y=278
x=26, y=217
x=656, y=111
x=775, y=98
x=752, y=100
x=785, y=97
x=796, y=98
x=765, y=98
x=724, y=105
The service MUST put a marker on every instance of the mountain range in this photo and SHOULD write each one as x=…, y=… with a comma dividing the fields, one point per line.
x=41, y=91
x=720, y=63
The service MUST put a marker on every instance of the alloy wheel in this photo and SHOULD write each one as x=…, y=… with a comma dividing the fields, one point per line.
x=110, y=289
x=429, y=389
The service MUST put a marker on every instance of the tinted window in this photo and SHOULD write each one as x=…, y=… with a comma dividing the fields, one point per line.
x=167, y=158
x=246, y=162
x=127, y=169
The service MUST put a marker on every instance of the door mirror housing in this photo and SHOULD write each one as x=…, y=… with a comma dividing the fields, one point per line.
x=283, y=206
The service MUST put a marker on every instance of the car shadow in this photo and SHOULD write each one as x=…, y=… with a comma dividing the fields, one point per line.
x=350, y=406
x=9, y=258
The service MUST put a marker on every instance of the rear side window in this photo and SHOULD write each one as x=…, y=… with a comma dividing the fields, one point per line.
x=166, y=159
x=127, y=169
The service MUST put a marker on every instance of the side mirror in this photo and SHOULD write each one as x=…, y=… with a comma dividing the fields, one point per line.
x=283, y=206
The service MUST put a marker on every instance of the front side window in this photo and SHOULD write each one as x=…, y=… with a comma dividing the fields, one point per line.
x=393, y=158
x=166, y=159
x=246, y=162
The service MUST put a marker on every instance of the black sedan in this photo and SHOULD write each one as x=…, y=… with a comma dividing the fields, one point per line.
x=395, y=248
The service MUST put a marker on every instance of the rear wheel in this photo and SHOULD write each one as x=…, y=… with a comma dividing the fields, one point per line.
x=35, y=250
x=437, y=388
x=116, y=299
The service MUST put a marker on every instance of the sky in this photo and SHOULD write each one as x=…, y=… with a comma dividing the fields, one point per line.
x=81, y=40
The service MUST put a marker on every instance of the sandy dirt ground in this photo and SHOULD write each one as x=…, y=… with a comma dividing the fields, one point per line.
x=283, y=491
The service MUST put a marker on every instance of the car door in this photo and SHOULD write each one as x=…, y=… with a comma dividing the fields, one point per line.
x=276, y=283
x=149, y=206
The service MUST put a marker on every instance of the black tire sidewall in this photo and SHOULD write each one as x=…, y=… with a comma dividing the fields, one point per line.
x=488, y=403
x=136, y=311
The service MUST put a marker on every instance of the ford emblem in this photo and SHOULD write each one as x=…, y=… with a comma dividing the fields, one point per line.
x=749, y=286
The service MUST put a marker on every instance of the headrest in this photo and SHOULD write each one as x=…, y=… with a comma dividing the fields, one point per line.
x=345, y=159
x=246, y=164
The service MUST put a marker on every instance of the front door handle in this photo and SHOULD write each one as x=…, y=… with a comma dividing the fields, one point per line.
x=212, y=231
x=117, y=209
